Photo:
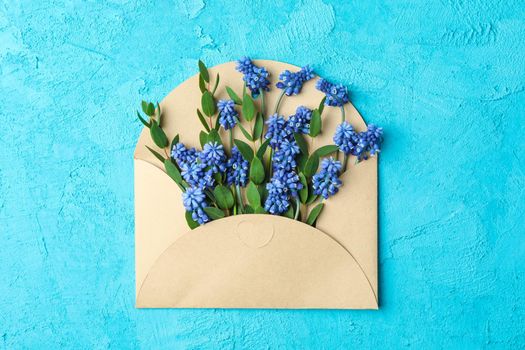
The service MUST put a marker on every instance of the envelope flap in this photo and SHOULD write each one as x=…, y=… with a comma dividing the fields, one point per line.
x=256, y=261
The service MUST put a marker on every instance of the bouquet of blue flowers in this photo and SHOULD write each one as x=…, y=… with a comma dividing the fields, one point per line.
x=278, y=176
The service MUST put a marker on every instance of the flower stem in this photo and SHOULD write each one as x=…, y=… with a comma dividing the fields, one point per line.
x=270, y=164
x=279, y=102
x=297, y=208
x=345, y=162
x=231, y=139
x=343, y=114
x=262, y=110
x=239, y=198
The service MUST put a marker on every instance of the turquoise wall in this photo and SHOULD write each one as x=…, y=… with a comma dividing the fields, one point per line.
x=446, y=80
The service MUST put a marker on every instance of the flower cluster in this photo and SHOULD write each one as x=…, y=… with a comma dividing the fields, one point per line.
x=281, y=174
x=237, y=169
x=227, y=114
x=256, y=78
x=194, y=201
x=363, y=144
x=336, y=95
x=292, y=82
x=326, y=183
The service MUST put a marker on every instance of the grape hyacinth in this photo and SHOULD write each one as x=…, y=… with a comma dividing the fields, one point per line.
x=336, y=95
x=284, y=157
x=277, y=130
x=195, y=174
x=227, y=114
x=300, y=121
x=237, y=169
x=213, y=156
x=346, y=138
x=292, y=82
x=194, y=201
x=326, y=182
x=256, y=78
x=182, y=155
x=369, y=142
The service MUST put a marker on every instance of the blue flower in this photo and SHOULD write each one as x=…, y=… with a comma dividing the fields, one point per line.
x=227, y=114
x=183, y=155
x=194, y=200
x=284, y=157
x=196, y=175
x=283, y=185
x=346, y=138
x=213, y=156
x=277, y=201
x=237, y=169
x=326, y=182
x=256, y=78
x=369, y=142
x=300, y=121
x=292, y=82
x=277, y=130
x=336, y=95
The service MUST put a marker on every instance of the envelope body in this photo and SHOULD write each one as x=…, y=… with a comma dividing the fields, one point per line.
x=253, y=261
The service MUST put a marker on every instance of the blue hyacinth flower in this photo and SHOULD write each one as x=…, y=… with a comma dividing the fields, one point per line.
x=336, y=95
x=300, y=121
x=326, y=182
x=194, y=201
x=213, y=157
x=255, y=78
x=346, y=138
x=292, y=82
x=227, y=114
x=277, y=130
x=237, y=169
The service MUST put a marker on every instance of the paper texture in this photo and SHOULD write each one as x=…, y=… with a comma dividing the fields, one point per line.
x=253, y=261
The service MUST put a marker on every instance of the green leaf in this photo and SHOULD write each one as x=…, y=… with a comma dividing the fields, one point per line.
x=216, y=84
x=208, y=103
x=314, y=214
x=174, y=141
x=143, y=121
x=289, y=213
x=233, y=95
x=326, y=150
x=174, y=173
x=203, y=120
x=245, y=132
x=245, y=150
x=204, y=71
x=303, y=193
x=311, y=165
x=262, y=149
x=158, y=135
x=156, y=154
x=321, y=106
x=257, y=171
x=150, y=110
x=214, y=213
x=259, y=210
x=248, y=209
x=191, y=223
x=301, y=161
x=258, y=126
x=248, y=107
x=144, y=106
x=253, y=195
x=311, y=198
x=315, y=123
x=224, y=197
x=214, y=136
x=203, y=138
x=160, y=115
x=303, y=146
x=202, y=84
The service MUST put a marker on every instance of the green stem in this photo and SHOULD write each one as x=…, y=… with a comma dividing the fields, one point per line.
x=239, y=198
x=262, y=110
x=279, y=102
x=345, y=162
x=343, y=114
x=297, y=208
x=270, y=164
x=231, y=139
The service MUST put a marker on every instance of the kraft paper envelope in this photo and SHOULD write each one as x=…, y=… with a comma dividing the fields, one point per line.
x=253, y=261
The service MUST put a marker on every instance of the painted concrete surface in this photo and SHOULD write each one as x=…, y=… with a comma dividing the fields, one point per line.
x=445, y=79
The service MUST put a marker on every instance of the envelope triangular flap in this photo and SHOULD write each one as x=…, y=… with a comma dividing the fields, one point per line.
x=349, y=218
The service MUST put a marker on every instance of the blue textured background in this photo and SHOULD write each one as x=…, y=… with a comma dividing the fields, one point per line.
x=446, y=79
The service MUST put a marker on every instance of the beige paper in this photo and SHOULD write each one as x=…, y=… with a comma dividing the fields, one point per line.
x=253, y=261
